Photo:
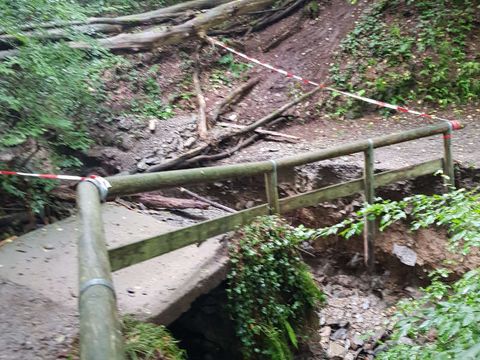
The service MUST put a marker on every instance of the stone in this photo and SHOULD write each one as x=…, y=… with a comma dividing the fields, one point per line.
x=356, y=342
x=142, y=165
x=189, y=142
x=336, y=350
x=124, y=124
x=340, y=334
x=406, y=255
x=326, y=331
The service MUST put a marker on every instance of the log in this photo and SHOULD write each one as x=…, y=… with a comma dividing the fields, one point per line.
x=234, y=97
x=159, y=201
x=146, y=40
x=146, y=18
x=208, y=201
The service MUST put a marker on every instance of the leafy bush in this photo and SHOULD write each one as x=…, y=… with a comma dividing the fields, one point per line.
x=415, y=51
x=443, y=323
x=458, y=211
x=270, y=291
x=49, y=95
x=147, y=341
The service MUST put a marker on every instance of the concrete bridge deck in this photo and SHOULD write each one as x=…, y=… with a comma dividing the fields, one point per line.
x=40, y=270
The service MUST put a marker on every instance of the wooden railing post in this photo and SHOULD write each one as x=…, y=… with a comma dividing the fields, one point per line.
x=369, y=189
x=271, y=188
x=100, y=329
x=448, y=165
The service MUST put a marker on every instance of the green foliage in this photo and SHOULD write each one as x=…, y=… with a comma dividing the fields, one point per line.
x=270, y=291
x=230, y=69
x=422, y=55
x=443, y=323
x=146, y=341
x=49, y=95
x=458, y=211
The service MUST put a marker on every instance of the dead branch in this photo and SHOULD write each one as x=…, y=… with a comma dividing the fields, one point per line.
x=202, y=105
x=260, y=131
x=277, y=16
x=234, y=97
x=194, y=155
x=229, y=152
x=282, y=37
x=208, y=201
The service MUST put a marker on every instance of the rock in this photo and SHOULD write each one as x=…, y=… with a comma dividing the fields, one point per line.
x=142, y=165
x=349, y=356
x=356, y=342
x=249, y=204
x=125, y=143
x=124, y=124
x=189, y=142
x=326, y=331
x=366, y=304
x=406, y=255
x=336, y=351
x=152, y=160
x=340, y=334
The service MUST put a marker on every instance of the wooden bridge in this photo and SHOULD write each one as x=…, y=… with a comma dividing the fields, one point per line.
x=100, y=331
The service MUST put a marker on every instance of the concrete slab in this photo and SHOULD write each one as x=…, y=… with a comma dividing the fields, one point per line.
x=45, y=261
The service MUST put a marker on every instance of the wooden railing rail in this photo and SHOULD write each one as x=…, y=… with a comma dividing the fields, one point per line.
x=100, y=335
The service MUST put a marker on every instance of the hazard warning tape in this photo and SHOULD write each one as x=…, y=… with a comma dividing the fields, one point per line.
x=290, y=75
x=49, y=176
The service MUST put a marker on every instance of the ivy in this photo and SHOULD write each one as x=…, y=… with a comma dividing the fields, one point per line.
x=270, y=290
x=418, y=51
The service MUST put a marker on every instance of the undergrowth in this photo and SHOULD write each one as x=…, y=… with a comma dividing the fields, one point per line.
x=271, y=292
x=402, y=51
x=147, y=341
x=443, y=323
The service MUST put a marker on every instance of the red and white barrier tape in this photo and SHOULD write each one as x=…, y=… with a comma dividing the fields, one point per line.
x=306, y=81
x=102, y=184
x=49, y=176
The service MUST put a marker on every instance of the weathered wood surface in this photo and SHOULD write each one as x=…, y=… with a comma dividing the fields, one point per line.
x=150, y=39
x=130, y=184
x=369, y=193
x=146, y=249
x=143, y=250
x=100, y=329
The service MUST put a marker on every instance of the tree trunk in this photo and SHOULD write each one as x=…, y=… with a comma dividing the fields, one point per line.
x=146, y=40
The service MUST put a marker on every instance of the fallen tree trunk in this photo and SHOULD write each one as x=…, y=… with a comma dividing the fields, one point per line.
x=208, y=201
x=146, y=18
x=146, y=40
x=159, y=201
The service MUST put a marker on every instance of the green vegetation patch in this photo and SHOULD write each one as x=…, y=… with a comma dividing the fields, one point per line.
x=443, y=323
x=147, y=341
x=403, y=51
x=271, y=291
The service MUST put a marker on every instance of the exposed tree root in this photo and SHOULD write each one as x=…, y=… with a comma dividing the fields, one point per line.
x=282, y=37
